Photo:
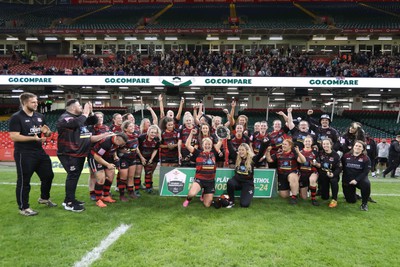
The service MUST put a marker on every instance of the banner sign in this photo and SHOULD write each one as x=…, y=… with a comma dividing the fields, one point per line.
x=184, y=81
x=177, y=181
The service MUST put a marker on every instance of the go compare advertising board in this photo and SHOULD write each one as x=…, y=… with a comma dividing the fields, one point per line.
x=186, y=81
x=177, y=181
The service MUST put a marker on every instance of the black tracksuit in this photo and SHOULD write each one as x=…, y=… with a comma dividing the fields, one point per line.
x=356, y=168
x=30, y=157
x=73, y=147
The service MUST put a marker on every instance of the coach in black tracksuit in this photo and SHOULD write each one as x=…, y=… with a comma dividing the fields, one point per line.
x=26, y=127
x=356, y=166
x=74, y=142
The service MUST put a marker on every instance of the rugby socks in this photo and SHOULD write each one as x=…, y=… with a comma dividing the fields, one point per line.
x=136, y=181
x=92, y=193
x=106, y=188
x=294, y=197
x=313, y=190
x=148, y=176
x=121, y=186
x=130, y=189
x=98, y=189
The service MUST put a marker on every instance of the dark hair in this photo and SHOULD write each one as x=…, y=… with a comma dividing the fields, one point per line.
x=125, y=116
x=122, y=135
x=125, y=125
x=164, y=121
x=71, y=102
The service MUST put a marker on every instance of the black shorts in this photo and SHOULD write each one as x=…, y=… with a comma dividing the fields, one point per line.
x=382, y=160
x=169, y=160
x=283, y=181
x=125, y=163
x=94, y=165
x=208, y=186
x=305, y=179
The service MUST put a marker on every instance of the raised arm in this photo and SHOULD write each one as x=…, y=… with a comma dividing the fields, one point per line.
x=290, y=123
x=179, y=113
x=153, y=115
x=161, y=104
x=188, y=143
x=300, y=157
x=231, y=115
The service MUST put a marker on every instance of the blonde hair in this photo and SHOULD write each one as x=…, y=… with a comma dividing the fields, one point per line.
x=206, y=139
x=157, y=129
x=249, y=157
x=142, y=124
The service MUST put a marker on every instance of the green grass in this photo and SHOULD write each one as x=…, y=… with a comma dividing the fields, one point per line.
x=269, y=233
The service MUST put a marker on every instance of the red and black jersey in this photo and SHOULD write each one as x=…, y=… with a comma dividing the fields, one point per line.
x=236, y=142
x=184, y=134
x=355, y=167
x=73, y=135
x=256, y=139
x=287, y=162
x=205, y=165
x=116, y=128
x=131, y=146
x=169, y=138
x=299, y=136
x=306, y=167
x=147, y=147
x=105, y=148
x=276, y=138
x=99, y=129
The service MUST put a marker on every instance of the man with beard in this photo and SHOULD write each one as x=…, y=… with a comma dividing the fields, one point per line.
x=26, y=129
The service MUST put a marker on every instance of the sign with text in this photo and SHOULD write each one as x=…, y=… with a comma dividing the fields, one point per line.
x=188, y=81
x=177, y=181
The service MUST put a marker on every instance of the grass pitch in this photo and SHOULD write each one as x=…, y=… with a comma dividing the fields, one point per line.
x=163, y=233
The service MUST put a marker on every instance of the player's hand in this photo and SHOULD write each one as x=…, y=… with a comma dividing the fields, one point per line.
x=182, y=100
x=225, y=111
x=310, y=112
x=45, y=129
x=110, y=166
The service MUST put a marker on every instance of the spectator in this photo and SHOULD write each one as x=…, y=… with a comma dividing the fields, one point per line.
x=383, y=155
x=394, y=157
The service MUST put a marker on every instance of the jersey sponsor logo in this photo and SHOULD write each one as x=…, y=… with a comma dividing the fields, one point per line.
x=39, y=119
x=101, y=152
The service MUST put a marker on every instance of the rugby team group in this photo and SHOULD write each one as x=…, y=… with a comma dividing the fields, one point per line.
x=310, y=156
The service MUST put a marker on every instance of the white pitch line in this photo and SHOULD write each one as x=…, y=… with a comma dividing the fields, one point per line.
x=95, y=253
